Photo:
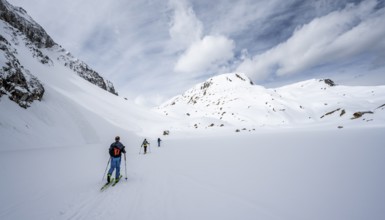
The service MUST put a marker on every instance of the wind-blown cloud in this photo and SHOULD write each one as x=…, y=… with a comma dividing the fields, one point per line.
x=211, y=50
x=199, y=53
x=150, y=48
x=355, y=30
x=185, y=27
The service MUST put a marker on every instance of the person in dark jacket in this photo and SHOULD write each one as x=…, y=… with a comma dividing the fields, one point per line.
x=116, y=149
x=159, y=140
x=144, y=145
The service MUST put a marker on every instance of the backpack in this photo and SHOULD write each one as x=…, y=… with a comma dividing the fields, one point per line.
x=115, y=151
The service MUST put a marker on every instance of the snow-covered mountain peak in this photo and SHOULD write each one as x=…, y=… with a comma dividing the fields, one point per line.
x=224, y=81
x=230, y=79
x=232, y=100
x=215, y=85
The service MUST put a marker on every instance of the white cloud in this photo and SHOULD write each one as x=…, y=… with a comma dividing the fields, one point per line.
x=186, y=32
x=139, y=45
x=340, y=35
x=202, y=54
x=185, y=27
x=228, y=18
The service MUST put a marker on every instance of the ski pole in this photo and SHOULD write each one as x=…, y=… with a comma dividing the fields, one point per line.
x=140, y=149
x=106, y=169
x=125, y=165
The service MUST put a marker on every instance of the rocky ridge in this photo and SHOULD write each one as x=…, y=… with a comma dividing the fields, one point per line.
x=19, y=31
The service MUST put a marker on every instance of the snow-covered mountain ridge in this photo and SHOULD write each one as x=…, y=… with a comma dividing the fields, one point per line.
x=70, y=111
x=22, y=37
x=233, y=100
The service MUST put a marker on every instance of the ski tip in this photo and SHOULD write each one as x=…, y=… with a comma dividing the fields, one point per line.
x=106, y=185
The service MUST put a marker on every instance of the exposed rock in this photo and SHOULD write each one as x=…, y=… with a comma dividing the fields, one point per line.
x=206, y=85
x=20, y=84
x=18, y=18
x=240, y=77
x=328, y=82
x=110, y=87
x=381, y=106
x=84, y=71
x=17, y=82
x=360, y=114
x=329, y=113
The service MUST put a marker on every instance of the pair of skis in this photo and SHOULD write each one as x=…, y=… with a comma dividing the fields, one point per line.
x=113, y=182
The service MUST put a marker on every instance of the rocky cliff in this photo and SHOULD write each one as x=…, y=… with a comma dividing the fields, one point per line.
x=20, y=33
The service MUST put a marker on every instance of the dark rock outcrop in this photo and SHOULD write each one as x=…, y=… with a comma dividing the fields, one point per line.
x=329, y=82
x=33, y=31
x=382, y=106
x=15, y=81
x=18, y=83
x=84, y=71
x=360, y=114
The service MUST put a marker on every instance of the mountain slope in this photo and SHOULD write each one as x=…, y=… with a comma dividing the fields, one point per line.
x=232, y=100
x=72, y=111
x=21, y=36
x=69, y=110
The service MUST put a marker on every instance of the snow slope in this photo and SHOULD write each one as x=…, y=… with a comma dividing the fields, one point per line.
x=72, y=110
x=231, y=101
x=280, y=174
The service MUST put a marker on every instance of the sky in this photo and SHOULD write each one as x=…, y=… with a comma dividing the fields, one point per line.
x=153, y=50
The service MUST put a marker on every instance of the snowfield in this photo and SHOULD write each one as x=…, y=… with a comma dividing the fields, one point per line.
x=280, y=174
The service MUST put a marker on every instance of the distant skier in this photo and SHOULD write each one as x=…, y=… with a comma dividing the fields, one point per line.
x=159, y=140
x=116, y=149
x=144, y=145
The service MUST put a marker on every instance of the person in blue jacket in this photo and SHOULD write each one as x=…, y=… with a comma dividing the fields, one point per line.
x=116, y=149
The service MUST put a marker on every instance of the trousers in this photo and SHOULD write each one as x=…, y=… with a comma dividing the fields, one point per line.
x=115, y=164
